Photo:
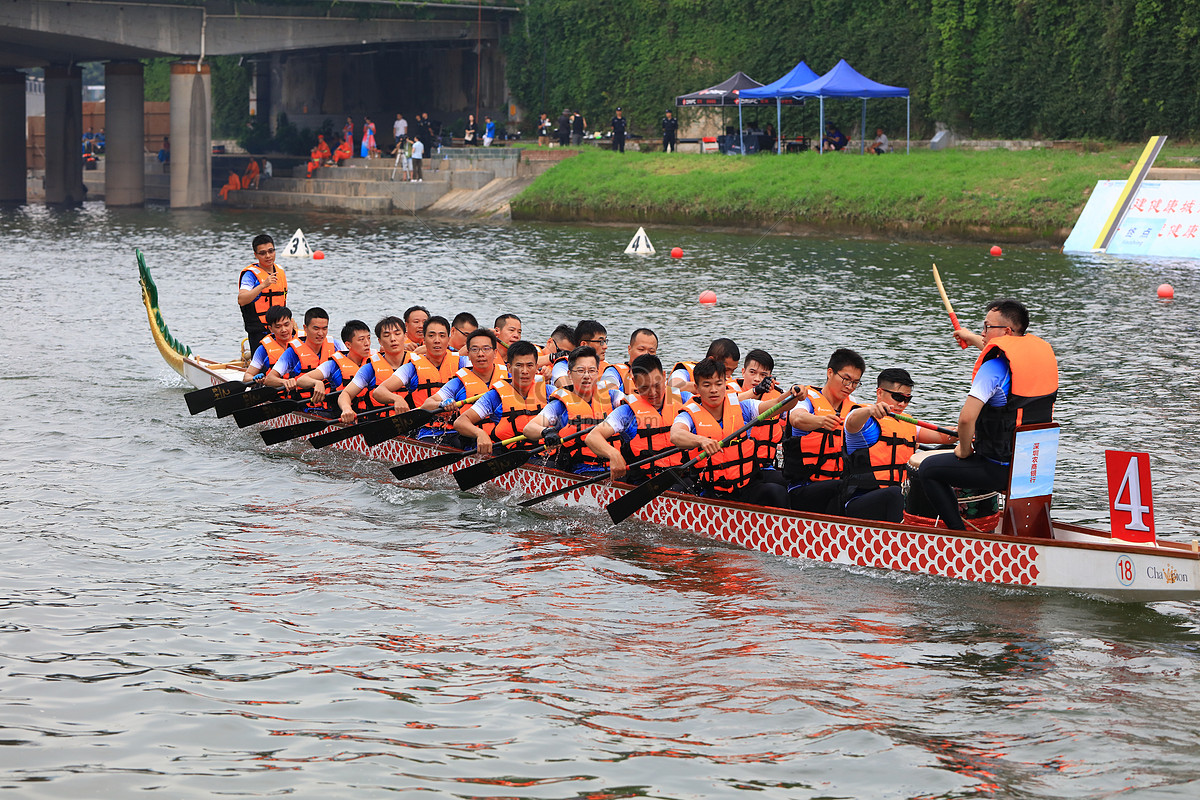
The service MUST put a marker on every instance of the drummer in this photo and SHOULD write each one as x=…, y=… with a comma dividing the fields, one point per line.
x=878, y=447
x=1015, y=382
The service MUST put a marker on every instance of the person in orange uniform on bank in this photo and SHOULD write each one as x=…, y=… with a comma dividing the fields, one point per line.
x=251, y=176
x=232, y=185
x=730, y=472
x=505, y=409
x=260, y=287
x=1015, y=382
x=344, y=152
x=573, y=408
x=812, y=443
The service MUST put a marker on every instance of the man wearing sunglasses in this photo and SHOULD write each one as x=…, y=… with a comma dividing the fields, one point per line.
x=878, y=447
x=261, y=286
x=1015, y=382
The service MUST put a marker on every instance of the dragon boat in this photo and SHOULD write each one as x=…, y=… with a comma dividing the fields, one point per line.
x=1059, y=556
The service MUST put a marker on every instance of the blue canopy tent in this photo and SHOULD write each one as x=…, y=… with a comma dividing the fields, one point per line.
x=781, y=90
x=844, y=81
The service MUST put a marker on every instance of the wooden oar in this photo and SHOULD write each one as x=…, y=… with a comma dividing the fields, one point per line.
x=628, y=504
x=261, y=413
x=927, y=425
x=203, y=399
x=381, y=430
x=246, y=399
x=598, y=478
x=416, y=468
x=289, y=432
x=946, y=302
x=484, y=471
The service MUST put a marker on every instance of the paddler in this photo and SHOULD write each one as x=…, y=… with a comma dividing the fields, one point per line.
x=341, y=367
x=306, y=352
x=423, y=373
x=390, y=333
x=274, y=345
x=508, y=330
x=558, y=347
x=260, y=287
x=580, y=405
x=463, y=323
x=877, y=449
x=730, y=472
x=642, y=425
x=414, y=327
x=643, y=341
x=757, y=383
x=588, y=333
x=724, y=351
x=484, y=371
x=506, y=408
x=812, y=443
x=1015, y=382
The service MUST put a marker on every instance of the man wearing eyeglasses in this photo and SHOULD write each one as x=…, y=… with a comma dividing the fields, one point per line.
x=878, y=447
x=1015, y=382
x=423, y=374
x=473, y=382
x=463, y=323
x=261, y=286
x=575, y=408
x=588, y=333
x=812, y=444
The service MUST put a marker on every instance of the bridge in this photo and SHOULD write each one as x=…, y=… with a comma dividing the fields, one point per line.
x=60, y=34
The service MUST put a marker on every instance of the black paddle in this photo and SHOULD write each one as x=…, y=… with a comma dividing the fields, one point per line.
x=348, y=432
x=261, y=413
x=628, y=504
x=203, y=399
x=381, y=430
x=566, y=489
x=246, y=399
x=416, y=468
x=484, y=471
x=289, y=432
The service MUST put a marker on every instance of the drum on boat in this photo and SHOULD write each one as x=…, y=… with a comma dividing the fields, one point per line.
x=981, y=509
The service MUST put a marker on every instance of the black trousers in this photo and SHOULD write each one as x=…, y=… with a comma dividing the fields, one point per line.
x=940, y=472
x=758, y=492
x=885, y=505
x=619, y=144
x=669, y=144
x=818, y=497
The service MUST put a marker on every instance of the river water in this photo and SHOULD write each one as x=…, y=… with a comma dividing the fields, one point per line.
x=189, y=614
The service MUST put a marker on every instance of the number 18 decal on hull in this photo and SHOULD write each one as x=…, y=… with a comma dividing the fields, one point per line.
x=1125, y=573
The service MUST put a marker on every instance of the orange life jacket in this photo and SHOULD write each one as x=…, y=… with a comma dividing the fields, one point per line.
x=690, y=366
x=346, y=367
x=623, y=371
x=310, y=360
x=517, y=410
x=275, y=351
x=429, y=377
x=254, y=315
x=653, y=433
x=769, y=433
x=883, y=463
x=1031, y=397
x=734, y=466
x=816, y=455
x=383, y=371
x=475, y=385
x=580, y=415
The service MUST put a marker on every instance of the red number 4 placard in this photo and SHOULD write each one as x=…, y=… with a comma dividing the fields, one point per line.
x=1130, y=504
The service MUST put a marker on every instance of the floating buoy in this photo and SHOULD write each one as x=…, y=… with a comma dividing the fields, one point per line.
x=1166, y=291
x=640, y=245
x=676, y=252
x=708, y=297
x=318, y=254
x=297, y=246
x=996, y=251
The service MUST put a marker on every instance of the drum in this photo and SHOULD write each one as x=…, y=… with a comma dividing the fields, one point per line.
x=980, y=509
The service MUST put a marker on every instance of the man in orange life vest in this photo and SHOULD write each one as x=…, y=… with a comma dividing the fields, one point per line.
x=273, y=346
x=507, y=330
x=724, y=351
x=558, y=347
x=261, y=286
x=730, y=472
x=1015, y=382
x=643, y=341
x=878, y=447
x=575, y=408
x=642, y=426
x=305, y=353
x=341, y=367
x=377, y=369
x=812, y=444
x=506, y=408
x=588, y=333
x=414, y=327
x=463, y=323
x=423, y=374
x=757, y=383
x=473, y=382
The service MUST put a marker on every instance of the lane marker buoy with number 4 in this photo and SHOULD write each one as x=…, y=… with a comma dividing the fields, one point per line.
x=640, y=245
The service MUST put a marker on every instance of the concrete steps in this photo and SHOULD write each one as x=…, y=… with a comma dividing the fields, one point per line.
x=271, y=198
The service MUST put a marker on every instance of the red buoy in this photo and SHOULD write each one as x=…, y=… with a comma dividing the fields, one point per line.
x=708, y=297
x=318, y=254
x=1166, y=291
x=676, y=252
x=996, y=251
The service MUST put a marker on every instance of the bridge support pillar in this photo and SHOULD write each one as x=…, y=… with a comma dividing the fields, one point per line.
x=191, y=135
x=125, y=145
x=64, y=135
x=12, y=137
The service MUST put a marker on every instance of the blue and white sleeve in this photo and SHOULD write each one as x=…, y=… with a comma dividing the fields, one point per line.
x=453, y=389
x=363, y=379
x=248, y=280
x=686, y=418
x=623, y=422
x=559, y=371
x=489, y=407
x=992, y=383
x=555, y=414
x=288, y=364
x=260, y=359
x=866, y=437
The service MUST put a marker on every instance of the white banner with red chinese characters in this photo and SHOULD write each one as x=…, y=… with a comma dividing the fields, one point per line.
x=1162, y=220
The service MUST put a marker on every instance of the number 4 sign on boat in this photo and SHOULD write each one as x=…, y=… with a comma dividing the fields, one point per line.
x=1129, y=502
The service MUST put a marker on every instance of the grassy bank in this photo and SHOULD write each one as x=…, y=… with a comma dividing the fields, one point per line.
x=994, y=195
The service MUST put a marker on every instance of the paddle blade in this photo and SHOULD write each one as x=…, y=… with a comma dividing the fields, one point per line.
x=389, y=428
x=416, y=468
x=484, y=471
x=289, y=432
x=334, y=436
x=261, y=413
x=228, y=405
x=203, y=399
x=628, y=504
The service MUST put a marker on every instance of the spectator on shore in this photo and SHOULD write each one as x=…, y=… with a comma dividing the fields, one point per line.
x=232, y=185
x=418, y=156
x=564, y=128
x=881, y=144
x=251, y=175
x=619, y=126
x=399, y=130
x=670, y=130
x=348, y=132
x=344, y=151
x=489, y=131
x=833, y=139
x=471, y=133
x=368, y=149
x=543, y=129
x=578, y=126
x=164, y=155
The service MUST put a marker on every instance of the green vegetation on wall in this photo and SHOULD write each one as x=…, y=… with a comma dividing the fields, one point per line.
x=1113, y=69
x=230, y=92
